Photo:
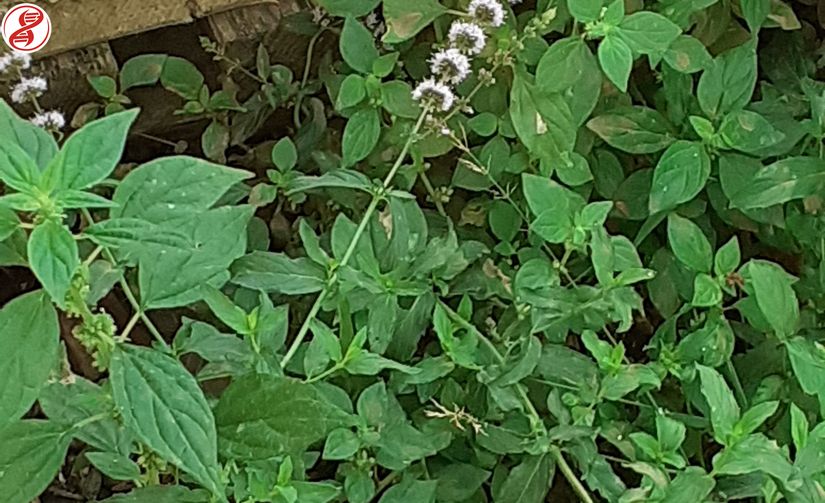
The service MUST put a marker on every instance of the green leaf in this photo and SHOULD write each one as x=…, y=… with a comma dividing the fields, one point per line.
x=341, y=443
x=32, y=454
x=585, y=10
x=90, y=155
x=346, y=8
x=647, y=32
x=753, y=418
x=54, y=258
x=118, y=232
x=755, y=453
x=261, y=416
x=357, y=46
x=679, y=176
x=222, y=306
x=172, y=276
x=17, y=169
x=181, y=77
x=284, y=154
x=689, y=486
x=727, y=85
x=689, y=243
x=9, y=223
x=687, y=55
x=808, y=363
x=361, y=135
x=637, y=130
x=352, y=92
x=37, y=143
x=28, y=352
x=115, y=466
x=706, y=291
x=785, y=180
x=161, y=494
x=396, y=98
x=170, y=188
x=749, y=132
x=419, y=491
x=528, y=482
x=543, y=121
x=405, y=19
x=71, y=403
x=728, y=258
x=163, y=404
x=277, y=273
x=755, y=12
x=562, y=65
x=775, y=296
x=616, y=59
x=799, y=427
x=724, y=411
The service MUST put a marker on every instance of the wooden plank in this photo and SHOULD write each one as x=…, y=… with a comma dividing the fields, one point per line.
x=80, y=23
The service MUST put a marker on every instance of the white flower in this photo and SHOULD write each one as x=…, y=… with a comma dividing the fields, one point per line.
x=52, y=120
x=487, y=12
x=434, y=93
x=450, y=65
x=468, y=38
x=28, y=87
x=5, y=62
x=23, y=60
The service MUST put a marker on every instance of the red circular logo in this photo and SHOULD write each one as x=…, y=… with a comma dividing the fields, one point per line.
x=26, y=28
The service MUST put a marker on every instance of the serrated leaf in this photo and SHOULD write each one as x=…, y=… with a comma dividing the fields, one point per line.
x=54, y=258
x=171, y=187
x=528, y=481
x=276, y=272
x=36, y=142
x=91, y=154
x=28, y=352
x=261, y=416
x=163, y=404
x=32, y=454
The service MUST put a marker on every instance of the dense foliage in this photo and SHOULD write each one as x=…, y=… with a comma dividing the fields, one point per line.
x=561, y=250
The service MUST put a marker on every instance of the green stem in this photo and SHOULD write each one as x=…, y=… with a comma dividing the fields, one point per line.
x=526, y=402
x=365, y=220
x=127, y=290
x=571, y=477
x=431, y=191
x=296, y=112
x=131, y=325
x=92, y=256
x=737, y=385
x=323, y=375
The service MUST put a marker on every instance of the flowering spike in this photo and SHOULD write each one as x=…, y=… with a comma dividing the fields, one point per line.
x=34, y=86
x=487, y=12
x=468, y=38
x=51, y=120
x=434, y=93
x=450, y=65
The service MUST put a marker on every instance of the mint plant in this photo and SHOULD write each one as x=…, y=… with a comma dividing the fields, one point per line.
x=555, y=250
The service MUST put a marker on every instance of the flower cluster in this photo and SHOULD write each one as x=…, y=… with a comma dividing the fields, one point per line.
x=27, y=89
x=451, y=65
